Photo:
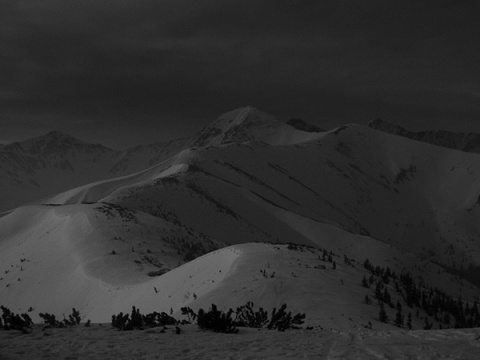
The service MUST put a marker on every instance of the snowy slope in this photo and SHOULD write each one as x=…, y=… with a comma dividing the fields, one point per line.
x=65, y=257
x=88, y=255
x=414, y=196
x=353, y=190
x=55, y=162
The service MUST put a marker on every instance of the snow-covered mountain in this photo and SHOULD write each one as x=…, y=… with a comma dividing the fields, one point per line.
x=247, y=179
x=469, y=142
x=406, y=193
x=48, y=164
x=248, y=124
x=55, y=162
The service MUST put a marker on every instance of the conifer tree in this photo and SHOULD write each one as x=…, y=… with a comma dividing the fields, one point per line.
x=399, y=315
x=383, y=317
x=386, y=297
x=427, y=325
x=378, y=292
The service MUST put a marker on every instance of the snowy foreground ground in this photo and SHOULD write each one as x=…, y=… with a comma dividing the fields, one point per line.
x=105, y=342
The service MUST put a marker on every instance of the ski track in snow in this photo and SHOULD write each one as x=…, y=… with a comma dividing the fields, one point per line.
x=105, y=342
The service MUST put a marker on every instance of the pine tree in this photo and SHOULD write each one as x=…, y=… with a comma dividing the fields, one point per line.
x=383, y=317
x=364, y=282
x=387, y=298
x=409, y=321
x=427, y=325
x=399, y=315
x=378, y=292
x=446, y=318
x=367, y=264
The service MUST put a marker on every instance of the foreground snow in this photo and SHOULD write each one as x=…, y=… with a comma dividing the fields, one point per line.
x=105, y=342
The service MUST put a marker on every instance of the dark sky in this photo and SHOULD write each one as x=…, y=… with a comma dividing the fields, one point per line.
x=125, y=72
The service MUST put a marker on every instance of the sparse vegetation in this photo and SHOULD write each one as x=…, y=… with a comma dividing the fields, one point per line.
x=51, y=321
x=433, y=301
x=138, y=321
x=12, y=321
x=216, y=320
x=245, y=316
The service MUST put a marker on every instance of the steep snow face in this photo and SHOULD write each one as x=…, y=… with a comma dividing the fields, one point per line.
x=469, y=142
x=248, y=124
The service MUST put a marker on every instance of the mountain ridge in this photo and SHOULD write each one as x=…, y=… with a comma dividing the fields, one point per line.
x=247, y=124
x=468, y=142
x=56, y=161
x=256, y=216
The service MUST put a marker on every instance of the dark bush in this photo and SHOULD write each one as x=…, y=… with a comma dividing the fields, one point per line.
x=13, y=321
x=74, y=318
x=282, y=320
x=247, y=317
x=191, y=315
x=51, y=321
x=138, y=321
x=216, y=320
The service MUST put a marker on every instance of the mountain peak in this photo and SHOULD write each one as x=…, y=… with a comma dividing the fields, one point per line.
x=53, y=141
x=246, y=116
x=237, y=126
x=56, y=134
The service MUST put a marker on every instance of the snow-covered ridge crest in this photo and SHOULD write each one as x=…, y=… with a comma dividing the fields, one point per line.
x=52, y=142
x=56, y=162
x=469, y=142
x=248, y=124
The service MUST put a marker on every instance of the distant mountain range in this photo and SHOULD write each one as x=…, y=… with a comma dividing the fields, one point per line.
x=45, y=165
x=469, y=142
x=180, y=223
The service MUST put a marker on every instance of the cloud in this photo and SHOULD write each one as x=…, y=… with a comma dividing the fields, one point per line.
x=184, y=61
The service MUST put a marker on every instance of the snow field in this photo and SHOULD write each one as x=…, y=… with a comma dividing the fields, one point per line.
x=105, y=342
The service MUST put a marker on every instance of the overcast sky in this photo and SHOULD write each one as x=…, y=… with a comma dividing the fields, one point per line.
x=126, y=72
